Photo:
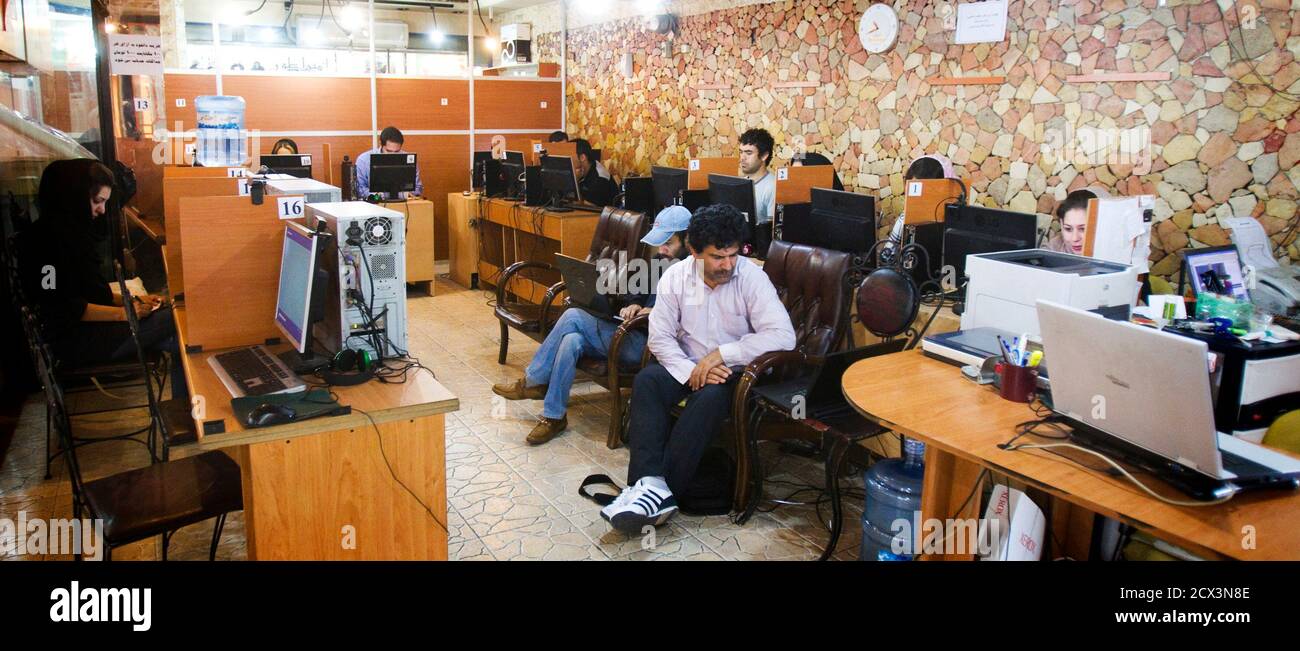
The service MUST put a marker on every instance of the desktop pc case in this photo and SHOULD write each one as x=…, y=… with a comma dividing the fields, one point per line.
x=381, y=254
x=312, y=191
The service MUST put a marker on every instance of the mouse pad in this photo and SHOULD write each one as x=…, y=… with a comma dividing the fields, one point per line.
x=308, y=404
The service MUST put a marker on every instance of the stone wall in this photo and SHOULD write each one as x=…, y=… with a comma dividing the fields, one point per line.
x=1220, y=138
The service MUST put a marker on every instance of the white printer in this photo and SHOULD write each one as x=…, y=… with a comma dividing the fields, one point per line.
x=1004, y=287
x=313, y=191
x=1276, y=286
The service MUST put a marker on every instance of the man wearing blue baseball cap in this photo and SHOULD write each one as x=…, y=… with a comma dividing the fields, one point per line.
x=579, y=334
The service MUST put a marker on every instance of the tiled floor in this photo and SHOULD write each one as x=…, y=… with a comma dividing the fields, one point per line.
x=506, y=500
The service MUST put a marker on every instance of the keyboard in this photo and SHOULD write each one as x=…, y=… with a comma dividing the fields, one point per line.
x=1243, y=467
x=254, y=372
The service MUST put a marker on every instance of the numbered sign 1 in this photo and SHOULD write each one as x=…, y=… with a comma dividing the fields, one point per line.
x=243, y=187
x=289, y=207
x=236, y=172
x=694, y=165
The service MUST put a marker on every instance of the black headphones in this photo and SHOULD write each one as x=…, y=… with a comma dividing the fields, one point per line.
x=349, y=368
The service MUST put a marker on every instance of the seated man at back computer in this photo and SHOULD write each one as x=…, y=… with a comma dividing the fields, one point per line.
x=579, y=334
x=596, y=189
x=755, y=163
x=714, y=314
x=390, y=142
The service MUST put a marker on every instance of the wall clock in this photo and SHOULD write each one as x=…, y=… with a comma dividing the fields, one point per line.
x=878, y=28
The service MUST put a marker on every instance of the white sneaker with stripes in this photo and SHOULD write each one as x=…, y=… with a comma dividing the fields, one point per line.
x=647, y=502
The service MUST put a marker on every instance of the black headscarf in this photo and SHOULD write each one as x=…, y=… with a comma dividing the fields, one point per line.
x=813, y=158
x=64, y=202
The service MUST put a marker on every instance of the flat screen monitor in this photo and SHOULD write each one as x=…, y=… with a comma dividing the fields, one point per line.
x=840, y=221
x=1216, y=270
x=559, y=179
x=738, y=192
x=296, y=165
x=969, y=230
x=392, y=173
x=668, y=184
x=513, y=169
x=297, y=273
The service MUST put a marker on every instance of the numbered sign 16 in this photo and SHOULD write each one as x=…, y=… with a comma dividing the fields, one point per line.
x=289, y=207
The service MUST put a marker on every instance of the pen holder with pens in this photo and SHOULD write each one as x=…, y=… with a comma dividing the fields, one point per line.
x=1016, y=383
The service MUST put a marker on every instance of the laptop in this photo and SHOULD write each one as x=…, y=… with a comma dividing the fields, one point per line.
x=1144, y=395
x=582, y=281
x=822, y=393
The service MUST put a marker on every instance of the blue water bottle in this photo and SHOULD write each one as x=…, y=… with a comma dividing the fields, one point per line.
x=893, y=500
x=220, y=134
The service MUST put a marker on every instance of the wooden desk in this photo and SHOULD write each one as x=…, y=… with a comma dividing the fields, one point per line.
x=512, y=232
x=309, y=485
x=462, y=237
x=962, y=424
x=419, y=240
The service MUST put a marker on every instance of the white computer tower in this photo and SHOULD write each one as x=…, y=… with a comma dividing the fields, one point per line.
x=366, y=254
x=312, y=191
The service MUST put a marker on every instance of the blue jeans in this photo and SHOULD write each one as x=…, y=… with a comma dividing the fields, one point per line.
x=576, y=334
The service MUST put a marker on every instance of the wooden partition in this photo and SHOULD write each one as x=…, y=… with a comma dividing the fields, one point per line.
x=510, y=103
x=175, y=189
x=232, y=261
x=795, y=184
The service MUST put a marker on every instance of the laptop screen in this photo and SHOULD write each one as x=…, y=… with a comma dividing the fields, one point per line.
x=1221, y=266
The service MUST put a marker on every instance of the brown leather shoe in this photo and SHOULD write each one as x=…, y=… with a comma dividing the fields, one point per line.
x=517, y=391
x=547, y=429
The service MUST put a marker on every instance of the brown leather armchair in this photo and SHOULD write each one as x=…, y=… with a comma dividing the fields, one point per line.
x=617, y=231
x=811, y=284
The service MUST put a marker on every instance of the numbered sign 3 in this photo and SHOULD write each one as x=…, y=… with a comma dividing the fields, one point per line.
x=289, y=207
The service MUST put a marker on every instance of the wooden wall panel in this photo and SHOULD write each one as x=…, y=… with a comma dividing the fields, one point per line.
x=302, y=103
x=416, y=104
x=185, y=87
x=444, y=167
x=508, y=104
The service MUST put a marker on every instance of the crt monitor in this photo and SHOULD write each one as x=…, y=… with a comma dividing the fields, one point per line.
x=840, y=221
x=392, y=173
x=513, y=169
x=968, y=230
x=1216, y=270
x=668, y=184
x=297, y=165
x=559, y=179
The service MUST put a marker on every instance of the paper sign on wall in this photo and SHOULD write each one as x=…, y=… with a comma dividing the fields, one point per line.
x=141, y=104
x=135, y=54
x=243, y=187
x=694, y=165
x=783, y=174
x=236, y=172
x=982, y=22
x=914, y=189
x=289, y=207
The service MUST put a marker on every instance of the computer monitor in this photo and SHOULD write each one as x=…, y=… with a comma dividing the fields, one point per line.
x=639, y=195
x=970, y=229
x=668, y=184
x=1216, y=270
x=300, y=302
x=392, y=173
x=513, y=170
x=297, y=165
x=487, y=175
x=560, y=180
x=840, y=221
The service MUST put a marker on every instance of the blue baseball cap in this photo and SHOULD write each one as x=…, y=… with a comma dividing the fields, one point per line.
x=673, y=219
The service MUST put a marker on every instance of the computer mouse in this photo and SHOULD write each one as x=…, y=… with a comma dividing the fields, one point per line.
x=267, y=414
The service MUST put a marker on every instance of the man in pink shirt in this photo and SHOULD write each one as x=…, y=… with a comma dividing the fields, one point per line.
x=715, y=312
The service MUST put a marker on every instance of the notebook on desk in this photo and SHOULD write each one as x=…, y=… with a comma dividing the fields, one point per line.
x=1144, y=396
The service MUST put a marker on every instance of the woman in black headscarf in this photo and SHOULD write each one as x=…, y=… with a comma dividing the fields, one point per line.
x=62, y=275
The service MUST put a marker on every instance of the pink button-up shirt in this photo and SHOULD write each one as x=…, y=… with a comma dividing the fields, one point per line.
x=742, y=318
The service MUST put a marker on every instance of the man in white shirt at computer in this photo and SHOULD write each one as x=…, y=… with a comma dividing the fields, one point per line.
x=390, y=142
x=755, y=163
x=715, y=312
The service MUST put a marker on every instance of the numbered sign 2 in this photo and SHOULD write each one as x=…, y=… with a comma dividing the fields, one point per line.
x=289, y=207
